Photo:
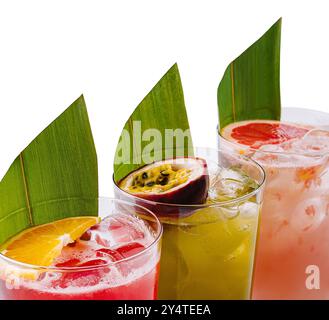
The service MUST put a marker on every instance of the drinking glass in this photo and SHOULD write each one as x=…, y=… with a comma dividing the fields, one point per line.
x=208, y=249
x=292, y=251
x=130, y=278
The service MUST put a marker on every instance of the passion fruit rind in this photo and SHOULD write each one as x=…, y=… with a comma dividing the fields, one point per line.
x=182, y=180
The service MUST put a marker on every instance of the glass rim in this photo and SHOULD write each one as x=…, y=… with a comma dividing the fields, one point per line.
x=204, y=205
x=302, y=154
x=156, y=240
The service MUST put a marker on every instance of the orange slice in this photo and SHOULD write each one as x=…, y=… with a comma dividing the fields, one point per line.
x=40, y=245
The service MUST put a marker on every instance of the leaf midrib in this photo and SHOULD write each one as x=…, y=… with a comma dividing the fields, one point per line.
x=26, y=191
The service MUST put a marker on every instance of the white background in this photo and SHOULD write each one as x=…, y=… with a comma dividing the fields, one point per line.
x=115, y=51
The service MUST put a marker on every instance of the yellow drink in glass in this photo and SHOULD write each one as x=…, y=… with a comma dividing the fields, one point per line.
x=208, y=250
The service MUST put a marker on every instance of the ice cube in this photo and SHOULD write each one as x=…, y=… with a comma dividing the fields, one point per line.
x=93, y=263
x=114, y=255
x=273, y=155
x=309, y=214
x=130, y=249
x=230, y=212
x=273, y=147
x=229, y=184
x=103, y=239
x=248, y=209
x=101, y=234
x=123, y=268
x=83, y=278
x=315, y=142
x=124, y=229
x=236, y=253
x=68, y=263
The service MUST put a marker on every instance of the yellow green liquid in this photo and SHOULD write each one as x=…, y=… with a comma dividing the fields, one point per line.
x=209, y=254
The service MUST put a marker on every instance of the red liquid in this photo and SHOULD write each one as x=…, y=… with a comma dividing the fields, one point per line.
x=143, y=288
x=101, y=251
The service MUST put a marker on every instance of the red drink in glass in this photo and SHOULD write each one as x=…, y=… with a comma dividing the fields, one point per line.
x=118, y=259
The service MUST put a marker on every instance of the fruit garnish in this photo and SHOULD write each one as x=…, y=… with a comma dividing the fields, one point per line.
x=40, y=245
x=256, y=133
x=180, y=181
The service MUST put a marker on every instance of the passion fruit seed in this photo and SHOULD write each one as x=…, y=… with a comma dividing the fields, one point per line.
x=162, y=180
x=159, y=179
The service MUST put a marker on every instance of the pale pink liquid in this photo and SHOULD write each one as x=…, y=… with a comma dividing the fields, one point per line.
x=294, y=228
x=294, y=231
x=114, y=239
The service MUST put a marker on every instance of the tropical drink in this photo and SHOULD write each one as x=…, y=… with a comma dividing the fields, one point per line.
x=292, y=256
x=85, y=258
x=209, y=204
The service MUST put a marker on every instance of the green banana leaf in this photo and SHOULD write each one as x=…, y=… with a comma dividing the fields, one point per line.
x=163, y=109
x=55, y=177
x=250, y=87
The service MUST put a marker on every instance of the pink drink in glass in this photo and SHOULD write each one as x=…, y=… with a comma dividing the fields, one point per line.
x=114, y=260
x=292, y=251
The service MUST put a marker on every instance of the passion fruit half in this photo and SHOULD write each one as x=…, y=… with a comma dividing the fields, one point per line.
x=176, y=181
